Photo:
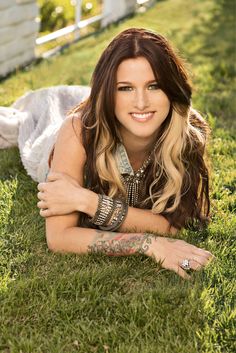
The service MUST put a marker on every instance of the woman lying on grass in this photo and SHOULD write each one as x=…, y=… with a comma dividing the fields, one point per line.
x=128, y=161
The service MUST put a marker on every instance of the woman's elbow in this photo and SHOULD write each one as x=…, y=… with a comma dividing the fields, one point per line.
x=53, y=241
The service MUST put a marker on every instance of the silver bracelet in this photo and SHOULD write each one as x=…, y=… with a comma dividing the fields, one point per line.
x=118, y=216
x=110, y=213
x=104, y=210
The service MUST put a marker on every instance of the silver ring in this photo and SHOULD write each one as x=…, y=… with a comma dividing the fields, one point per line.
x=185, y=264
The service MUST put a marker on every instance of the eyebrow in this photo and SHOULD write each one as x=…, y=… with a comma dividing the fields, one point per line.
x=130, y=83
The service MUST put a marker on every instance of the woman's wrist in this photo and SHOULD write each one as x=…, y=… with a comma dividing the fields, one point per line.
x=89, y=202
x=146, y=244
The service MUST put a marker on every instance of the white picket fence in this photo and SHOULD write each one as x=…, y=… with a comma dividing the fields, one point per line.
x=19, y=28
x=111, y=12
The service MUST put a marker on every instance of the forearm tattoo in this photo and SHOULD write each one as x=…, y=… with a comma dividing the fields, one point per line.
x=118, y=244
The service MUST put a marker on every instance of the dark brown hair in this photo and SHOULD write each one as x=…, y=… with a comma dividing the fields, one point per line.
x=98, y=118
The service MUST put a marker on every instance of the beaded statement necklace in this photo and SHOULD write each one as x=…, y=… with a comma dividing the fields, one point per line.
x=134, y=182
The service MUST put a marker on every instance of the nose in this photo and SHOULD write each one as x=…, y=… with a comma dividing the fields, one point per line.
x=141, y=100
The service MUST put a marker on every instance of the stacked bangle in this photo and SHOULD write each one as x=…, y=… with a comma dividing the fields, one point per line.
x=104, y=210
x=110, y=213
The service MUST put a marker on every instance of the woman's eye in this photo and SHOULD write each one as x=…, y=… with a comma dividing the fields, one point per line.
x=125, y=88
x=154, y=86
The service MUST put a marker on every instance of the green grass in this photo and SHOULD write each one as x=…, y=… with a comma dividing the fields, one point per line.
x=56, y=303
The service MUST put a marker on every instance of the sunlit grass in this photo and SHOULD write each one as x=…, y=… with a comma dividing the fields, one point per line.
x=68, y=303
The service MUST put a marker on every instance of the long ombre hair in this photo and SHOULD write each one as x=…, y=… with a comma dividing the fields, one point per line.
x=176, y=184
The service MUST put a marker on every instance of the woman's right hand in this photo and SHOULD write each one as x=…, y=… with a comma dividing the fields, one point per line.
x=171, y=253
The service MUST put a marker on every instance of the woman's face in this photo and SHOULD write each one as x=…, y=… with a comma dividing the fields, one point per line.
x=140, y=105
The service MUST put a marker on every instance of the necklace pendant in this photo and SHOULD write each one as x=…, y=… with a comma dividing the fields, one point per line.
x=133, y=183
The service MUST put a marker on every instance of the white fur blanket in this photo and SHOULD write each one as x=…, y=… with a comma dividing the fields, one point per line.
x=33, y=122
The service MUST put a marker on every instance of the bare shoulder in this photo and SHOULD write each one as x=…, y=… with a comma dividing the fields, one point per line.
x=68, y=158
x=71, y=130
x=69, y=153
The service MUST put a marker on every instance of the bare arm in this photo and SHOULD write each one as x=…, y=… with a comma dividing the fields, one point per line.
x=68, y=193
x=168, y=252
x=84, y=240
x=63, y=198
x=64, y=235
x=137, y=220
x=62, y=231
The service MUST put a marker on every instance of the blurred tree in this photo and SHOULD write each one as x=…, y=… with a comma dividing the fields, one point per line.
x=56, y=14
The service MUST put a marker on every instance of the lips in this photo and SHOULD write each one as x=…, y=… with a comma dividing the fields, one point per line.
x=142, y=116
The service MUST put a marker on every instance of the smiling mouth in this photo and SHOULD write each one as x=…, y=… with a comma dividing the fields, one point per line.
x=142, y=116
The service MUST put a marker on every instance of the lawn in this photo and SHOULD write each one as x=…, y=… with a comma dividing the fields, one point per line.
x=52, y=303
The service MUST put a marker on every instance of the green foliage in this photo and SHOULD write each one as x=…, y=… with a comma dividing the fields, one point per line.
x=68, y=303
x=52, y=17
x=56, y=14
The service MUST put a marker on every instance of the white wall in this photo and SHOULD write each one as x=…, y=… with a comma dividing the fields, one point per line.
x=18, y=31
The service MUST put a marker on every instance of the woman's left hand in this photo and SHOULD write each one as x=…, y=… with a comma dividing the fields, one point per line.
x=59, y=195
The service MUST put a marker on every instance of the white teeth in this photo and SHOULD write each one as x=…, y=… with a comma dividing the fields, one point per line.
x=141, y=116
